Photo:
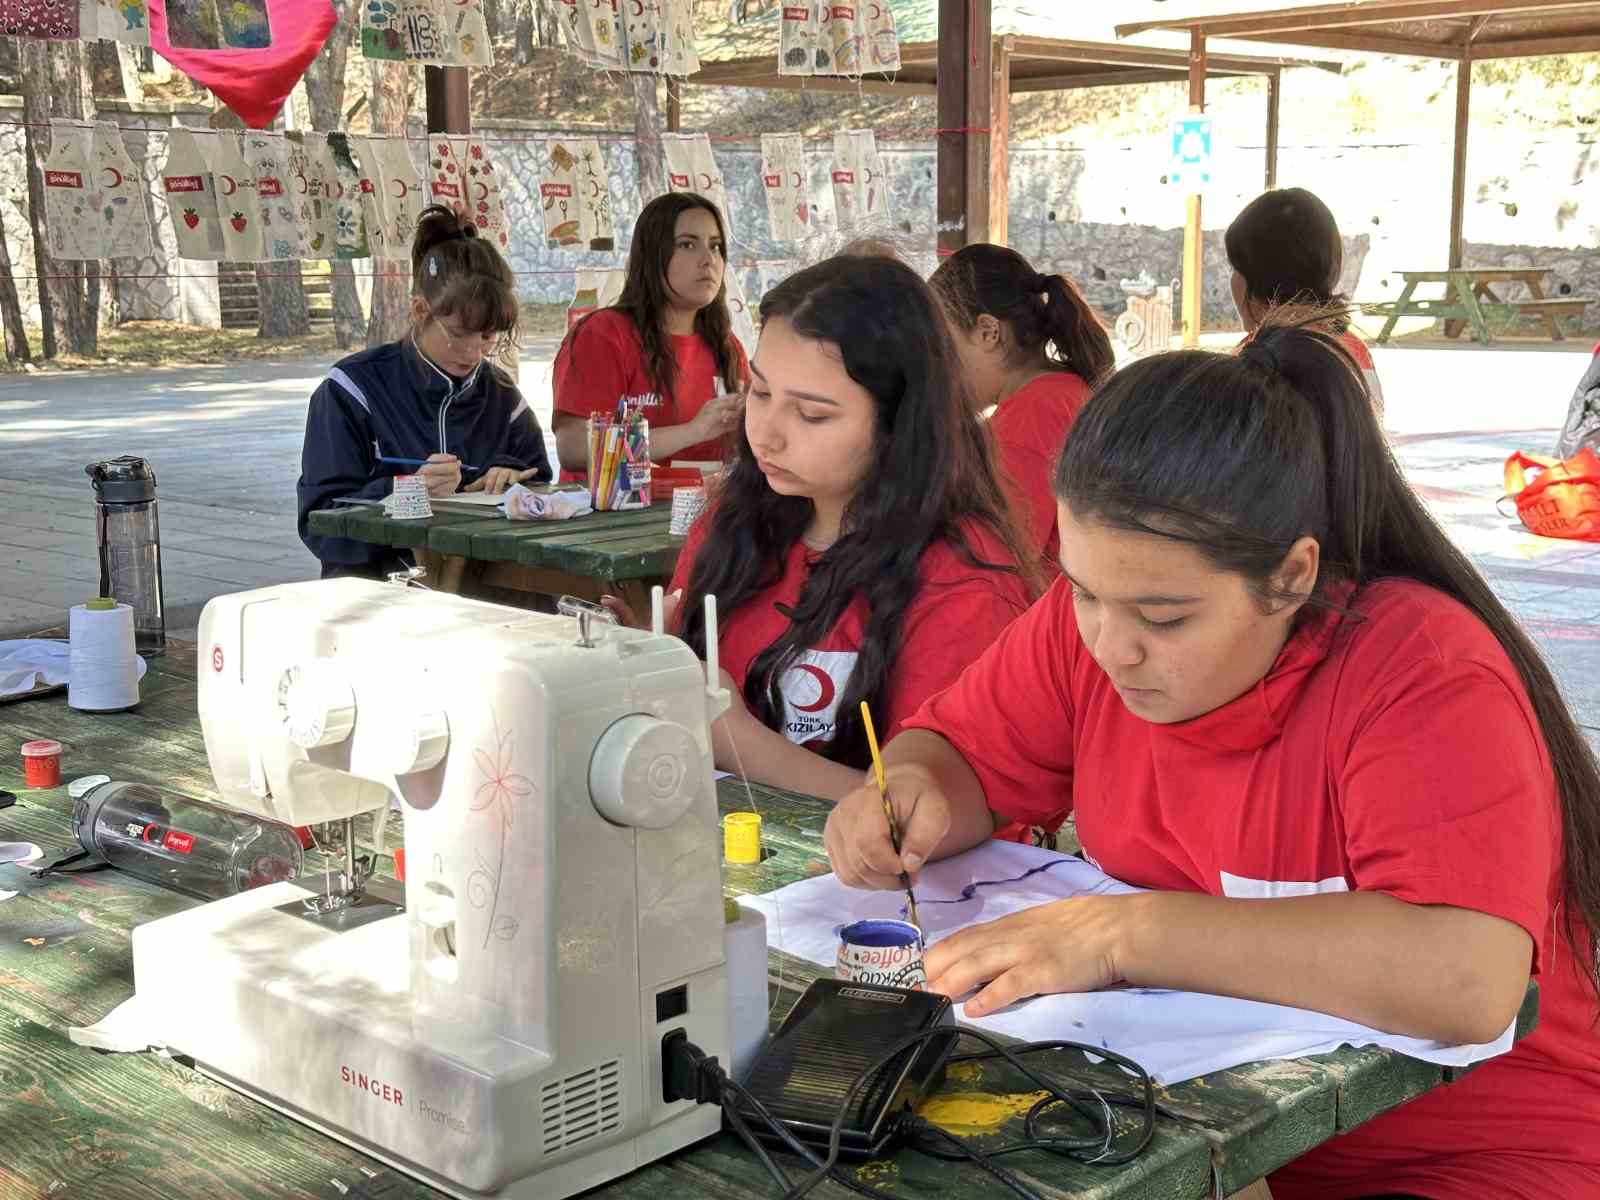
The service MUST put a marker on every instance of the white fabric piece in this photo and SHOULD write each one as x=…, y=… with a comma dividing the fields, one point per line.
x=19, y=852
x=802, y=50
x=316, y=182
x=1174, y=1035
x=114, y=21
x=125, y=221
x=284, y=234
x=237, y=208
x=27, y=663
x=784, y=179
x=481, y=191
x=524, y=504
x=404, y=197
x=860, y=187
x=191, y=198
x=374, y=198
x=123, y=1030
x=691, y=167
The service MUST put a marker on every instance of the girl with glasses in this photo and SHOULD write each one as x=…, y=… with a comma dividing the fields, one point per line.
x=436, y=396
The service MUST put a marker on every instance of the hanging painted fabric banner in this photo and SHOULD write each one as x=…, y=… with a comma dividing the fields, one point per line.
x=237, y=209
x=801, y=50
x=191, y=198
x=115, y=21
x=879, y=41
x=691, y=168
x=595, y=289
x=403, y=195
x=250, y=53
x=56, y=20
x=740, y=315
x=860, y=189
x=593, y=32
x=322, y=183
x=69, y=216
x=844, y=36
x=283, y=234
x=678, y=55
x=444, y=33
x=374, y=200
x=558, y=195
x=783, y=176
x=594, y=197
x=350, y=228
x=125, y=219
x=641, y=27
x=481, y=195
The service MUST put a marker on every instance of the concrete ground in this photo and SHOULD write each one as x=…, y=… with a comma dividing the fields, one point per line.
x=225, y=444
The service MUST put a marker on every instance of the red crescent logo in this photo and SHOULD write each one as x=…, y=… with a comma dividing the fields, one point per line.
x=707, y=179
x=401, y=194
x=304, y=186
x=116, y=176
x=229, y=186
x=797, y=179
x=824, y=687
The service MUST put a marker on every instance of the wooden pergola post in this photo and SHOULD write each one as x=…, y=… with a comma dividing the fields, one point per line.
x=1000, y=141
x=1274, y=96
x=674, y=104
x=1458, y=162
x=962, y=191
x=449, y=99
x=1193, y=249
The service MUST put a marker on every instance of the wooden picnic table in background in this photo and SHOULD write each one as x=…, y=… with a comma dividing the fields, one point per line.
x=77, y=1124
x=1470, y=299
x=621, y=553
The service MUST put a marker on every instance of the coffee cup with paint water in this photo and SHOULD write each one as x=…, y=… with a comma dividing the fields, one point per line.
x=883, y=952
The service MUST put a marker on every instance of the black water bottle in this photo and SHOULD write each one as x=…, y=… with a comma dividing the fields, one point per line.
x=130, y=545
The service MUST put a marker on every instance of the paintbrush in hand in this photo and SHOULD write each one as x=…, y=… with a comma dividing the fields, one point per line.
x=888, y=812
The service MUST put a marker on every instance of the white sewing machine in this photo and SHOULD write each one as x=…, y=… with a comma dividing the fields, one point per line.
x=500, y=1035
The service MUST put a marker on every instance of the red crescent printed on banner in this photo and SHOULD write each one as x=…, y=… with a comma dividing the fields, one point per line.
x=305, y=185
x=798, y=179
x=229, y=186
x=401, y=184
x=116, y=177
x=702, y=175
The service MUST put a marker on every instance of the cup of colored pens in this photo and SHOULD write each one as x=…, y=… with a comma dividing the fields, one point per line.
x=619, y=459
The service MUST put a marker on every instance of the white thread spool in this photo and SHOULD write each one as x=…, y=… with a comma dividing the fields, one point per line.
x=687, y=505
x=102, y=668
x=744, y=940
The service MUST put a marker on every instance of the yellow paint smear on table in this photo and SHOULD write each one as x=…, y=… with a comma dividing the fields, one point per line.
x=969, y=1114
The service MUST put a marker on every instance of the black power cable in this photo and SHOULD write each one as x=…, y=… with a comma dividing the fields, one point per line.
x=694, y=1075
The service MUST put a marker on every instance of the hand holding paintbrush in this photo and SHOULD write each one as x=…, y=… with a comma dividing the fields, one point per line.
x=888, y=812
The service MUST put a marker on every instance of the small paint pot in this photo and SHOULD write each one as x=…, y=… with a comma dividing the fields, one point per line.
x=887, y=953
x=741, y=837
x=41, y=763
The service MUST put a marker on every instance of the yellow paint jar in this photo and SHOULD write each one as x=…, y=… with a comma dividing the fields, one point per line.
x=741, y=837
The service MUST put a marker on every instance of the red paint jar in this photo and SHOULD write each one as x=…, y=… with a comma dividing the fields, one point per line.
x=41, y=763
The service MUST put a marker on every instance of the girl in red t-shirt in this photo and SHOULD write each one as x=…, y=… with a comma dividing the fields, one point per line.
x=1273, y=694
x=1031, y=347
x=667, y=343
x=858, y=545
x=1284, y=248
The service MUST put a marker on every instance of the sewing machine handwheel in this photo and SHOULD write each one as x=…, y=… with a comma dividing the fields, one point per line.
x=644, y=772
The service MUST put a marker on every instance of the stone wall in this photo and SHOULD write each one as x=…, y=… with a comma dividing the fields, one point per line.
x=1098, y=213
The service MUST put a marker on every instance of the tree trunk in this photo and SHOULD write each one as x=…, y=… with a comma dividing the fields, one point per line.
x=325, y=80
x=648, y=155
x=11, y=308
x=391, y=83
x=54, y=84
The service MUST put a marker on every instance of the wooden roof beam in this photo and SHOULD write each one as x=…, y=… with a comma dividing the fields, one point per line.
x=1334, y=16
x=1370, y=42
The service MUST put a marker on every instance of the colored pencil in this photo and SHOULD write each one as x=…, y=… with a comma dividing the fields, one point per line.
x=888, y=810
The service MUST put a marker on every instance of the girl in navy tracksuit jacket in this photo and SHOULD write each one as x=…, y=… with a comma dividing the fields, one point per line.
x=433, y=395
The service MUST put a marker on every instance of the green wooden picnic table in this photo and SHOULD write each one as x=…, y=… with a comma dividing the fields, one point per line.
x=80, y=1125
x=621, y=553
x=1470, y=299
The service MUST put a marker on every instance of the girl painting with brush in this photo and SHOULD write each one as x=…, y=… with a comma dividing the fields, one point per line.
x=1274, y=695
x=434, y=402
x=858, y=544
x=666, y=346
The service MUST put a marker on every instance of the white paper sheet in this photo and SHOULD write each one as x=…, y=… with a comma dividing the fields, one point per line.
x=1173, y=1035
x=123, y=1030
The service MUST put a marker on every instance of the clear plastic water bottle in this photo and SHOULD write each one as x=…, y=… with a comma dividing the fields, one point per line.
x=130, y=545
x=189, y=845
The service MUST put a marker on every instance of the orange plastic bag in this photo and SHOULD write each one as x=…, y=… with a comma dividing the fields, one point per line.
x=1557, y=498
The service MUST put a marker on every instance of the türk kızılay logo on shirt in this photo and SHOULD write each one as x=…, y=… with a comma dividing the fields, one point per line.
x=811, y=688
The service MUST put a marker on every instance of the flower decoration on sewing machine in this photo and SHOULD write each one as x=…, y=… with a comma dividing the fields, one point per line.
x=499, y=794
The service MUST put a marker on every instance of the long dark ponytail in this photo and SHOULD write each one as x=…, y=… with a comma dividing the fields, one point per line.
x=1240, y=455
x=930, y=474
x=1047, y=315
